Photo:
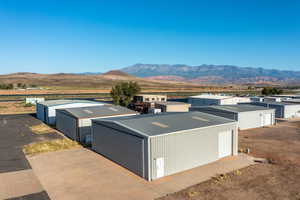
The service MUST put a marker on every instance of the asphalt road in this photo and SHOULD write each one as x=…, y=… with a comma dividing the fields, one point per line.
x=14, y=134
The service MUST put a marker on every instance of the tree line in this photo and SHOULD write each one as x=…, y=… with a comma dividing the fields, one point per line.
x=11, y=86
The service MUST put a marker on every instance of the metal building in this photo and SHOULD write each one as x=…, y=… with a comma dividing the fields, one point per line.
x=272, y=99
x=207, y=100
x=34, y=100
x=149, y=98
x=46, y=111
x=248, y=116
x=172, y=106
x=282, y=109
x=154, y=146
x=76, y=122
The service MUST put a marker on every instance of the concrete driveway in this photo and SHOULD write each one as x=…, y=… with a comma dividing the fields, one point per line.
x=17, y=179
x=84, y=174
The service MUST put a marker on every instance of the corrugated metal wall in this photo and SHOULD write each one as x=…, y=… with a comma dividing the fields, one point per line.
x=40, y=112
x=253, y=119
x=84, y=129
x=120, y=147
x=67, y=125
x=186, y=150
x=203, y=102
x=291, y=111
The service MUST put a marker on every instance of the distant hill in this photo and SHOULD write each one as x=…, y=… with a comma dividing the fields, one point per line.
x=213, y=73
x=90, y=81
x=117, y=73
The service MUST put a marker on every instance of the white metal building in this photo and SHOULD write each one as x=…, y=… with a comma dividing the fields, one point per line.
x=76, y=122
x=34, y=100
x=46, y=111
x=248, y=116
x=272, y=99
x=282, y=109
x=207, y=100
x=154, y=146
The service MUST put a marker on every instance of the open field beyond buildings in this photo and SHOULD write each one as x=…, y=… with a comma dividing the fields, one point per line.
x=15, y=108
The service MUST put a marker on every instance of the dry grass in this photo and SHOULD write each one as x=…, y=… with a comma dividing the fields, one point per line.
x=50, y=146
x=41, y=129
x=15, y=108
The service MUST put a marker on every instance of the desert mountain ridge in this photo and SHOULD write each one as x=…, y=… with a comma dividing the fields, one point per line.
x=213, y=74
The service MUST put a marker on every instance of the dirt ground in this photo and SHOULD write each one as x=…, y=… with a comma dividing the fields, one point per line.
x=15, y=108
x=280, y=179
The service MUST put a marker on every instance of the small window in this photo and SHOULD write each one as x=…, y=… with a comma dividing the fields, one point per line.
x=153, y=99
x=162, y=99
x=147, y=99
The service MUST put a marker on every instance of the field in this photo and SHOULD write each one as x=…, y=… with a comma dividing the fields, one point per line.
x=14, y=107
x=277, y=179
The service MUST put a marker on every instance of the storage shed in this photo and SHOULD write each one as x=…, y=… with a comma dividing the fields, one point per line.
x=46, y=111
x=172, y=106
x=248, y=116
x=76, y=122
x=207, y=100
x=154, y=146
x=282, y=109
x=272, y=99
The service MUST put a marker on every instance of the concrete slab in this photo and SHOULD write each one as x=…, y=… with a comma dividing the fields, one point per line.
x=83, y=174
x=19, y=183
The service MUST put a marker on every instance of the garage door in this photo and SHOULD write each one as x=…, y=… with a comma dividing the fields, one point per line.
x=124, y=149
x=225, y=144
x=267, y=119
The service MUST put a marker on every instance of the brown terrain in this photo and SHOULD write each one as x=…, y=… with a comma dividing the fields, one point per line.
x=277, y=179
x=15, y=108
x=79, y=83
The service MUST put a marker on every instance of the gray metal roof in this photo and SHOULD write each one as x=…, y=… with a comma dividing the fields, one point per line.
x=276, y=103
x=171, y=103
x=66, y=101
x=97, y=111
x=157, y=124
x=239, y=108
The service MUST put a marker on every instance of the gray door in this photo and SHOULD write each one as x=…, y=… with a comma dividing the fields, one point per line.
x=124, y=149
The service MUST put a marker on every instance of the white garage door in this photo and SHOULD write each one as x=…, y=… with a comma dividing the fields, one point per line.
x=225, y=144
x=267, y=119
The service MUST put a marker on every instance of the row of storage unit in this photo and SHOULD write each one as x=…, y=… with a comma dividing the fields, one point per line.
x=157, y=145
x=76, y=122
x=154, y=146
x=46, y=111
x=210, y=99
x=282, y=109
x=247, y=116
x=151, y=146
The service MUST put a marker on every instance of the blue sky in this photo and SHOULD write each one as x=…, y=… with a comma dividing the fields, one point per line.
x=49, y=36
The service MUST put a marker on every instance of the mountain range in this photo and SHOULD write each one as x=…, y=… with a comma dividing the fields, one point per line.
x=213, y=74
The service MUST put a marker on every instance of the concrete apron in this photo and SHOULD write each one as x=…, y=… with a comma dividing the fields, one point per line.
x=19, y=183
x=83, y=174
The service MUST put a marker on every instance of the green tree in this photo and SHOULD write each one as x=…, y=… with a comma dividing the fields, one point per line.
x=122, y=93
x=271, y=91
